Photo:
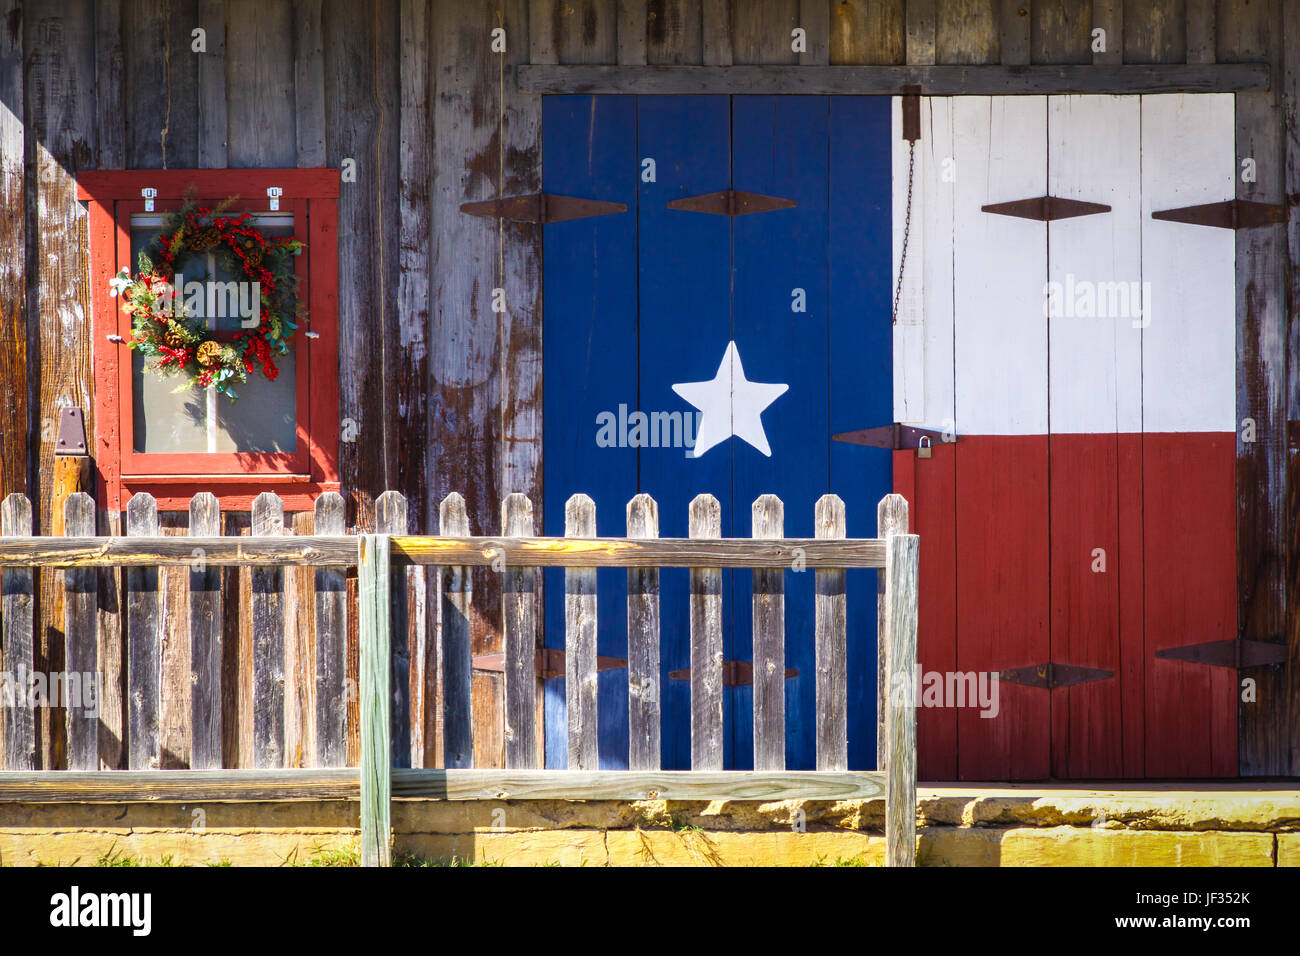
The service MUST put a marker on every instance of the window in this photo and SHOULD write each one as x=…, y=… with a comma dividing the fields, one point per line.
x=280, y=434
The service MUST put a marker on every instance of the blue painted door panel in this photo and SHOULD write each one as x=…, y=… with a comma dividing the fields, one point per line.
x=638, y=302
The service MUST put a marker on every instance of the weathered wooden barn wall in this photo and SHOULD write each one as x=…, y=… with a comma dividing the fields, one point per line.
x=443, y=393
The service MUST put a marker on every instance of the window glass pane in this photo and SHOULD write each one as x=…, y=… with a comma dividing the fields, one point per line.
x=190, y=421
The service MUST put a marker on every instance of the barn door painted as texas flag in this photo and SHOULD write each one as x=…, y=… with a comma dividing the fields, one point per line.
x=688, y=351
x=1084, y=518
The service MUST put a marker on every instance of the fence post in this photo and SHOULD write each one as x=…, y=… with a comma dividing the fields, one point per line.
x=81, y=631
x=16, y=617
x=831, y=645
x=768, y=517
x=376, y=702
x=580, y=640
x=331, y=642
x=268, y=641
x=644, y=735
x=706, y=643
x=205, y=641
x=891, y=518
x=457, y=596
x=143, y=643
x=519, y=617
x=901, y=565
x=390, y=518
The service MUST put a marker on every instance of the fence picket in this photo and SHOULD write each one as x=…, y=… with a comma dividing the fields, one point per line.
x=891, y=518
x=457, y=594
x=580, y=640
x=900, y=783
x=706, y=643
x=519, y=619
x=768, y=516
x=268, y=641
x=831, y=646
x=643, y=691
x=17, y=587
x=205, y=641
x=81, y=630
x=331, y=641
x=390, y=519
x=375, y=600
x=143, y=642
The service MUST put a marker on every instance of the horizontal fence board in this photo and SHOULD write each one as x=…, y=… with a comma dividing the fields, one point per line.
x=535, y=552
x=178, y=786
x=890, y=80
x=637, y=785
x=225, y=786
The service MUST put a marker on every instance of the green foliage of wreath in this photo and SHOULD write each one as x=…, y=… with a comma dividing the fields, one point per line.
x=173, y=337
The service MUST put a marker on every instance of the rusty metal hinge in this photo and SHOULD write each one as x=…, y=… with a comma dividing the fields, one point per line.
x=1046, y=208
x=734, y=673
x=1052, y=675
x=72, y=433
x=731, y=202
x=541, y=207
x=896, y=436
x=1230, y=214
x=1234, y=654
x=549, y=662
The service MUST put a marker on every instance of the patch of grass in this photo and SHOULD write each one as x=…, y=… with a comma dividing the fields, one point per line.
x=115, y=857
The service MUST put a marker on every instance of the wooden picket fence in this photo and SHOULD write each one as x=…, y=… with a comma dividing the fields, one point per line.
x=382, y=561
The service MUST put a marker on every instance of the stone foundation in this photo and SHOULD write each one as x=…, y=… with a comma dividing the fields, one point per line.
x=1229, y=825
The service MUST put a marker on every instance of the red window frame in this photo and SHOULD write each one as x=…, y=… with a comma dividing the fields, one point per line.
x=299, y=476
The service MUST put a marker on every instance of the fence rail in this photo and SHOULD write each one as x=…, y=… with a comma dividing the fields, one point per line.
x=383, y=562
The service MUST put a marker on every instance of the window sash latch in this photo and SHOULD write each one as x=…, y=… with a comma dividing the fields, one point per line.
x=274, y=193
x=149, y=194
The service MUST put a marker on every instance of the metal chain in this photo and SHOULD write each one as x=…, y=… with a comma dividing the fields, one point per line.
x=907, y=226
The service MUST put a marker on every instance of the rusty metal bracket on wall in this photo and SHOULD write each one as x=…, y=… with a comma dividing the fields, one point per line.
x=541, y=208
x=1230, y=214
x=731, y=202
x=1233, y=654
x=1052, y=675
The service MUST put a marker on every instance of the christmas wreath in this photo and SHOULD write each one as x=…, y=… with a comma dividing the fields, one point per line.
x=166, y=326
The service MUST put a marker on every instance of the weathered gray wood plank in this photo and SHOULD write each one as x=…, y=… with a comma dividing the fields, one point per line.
x=673, y=33
x=260, y=85
x=541, y=32
x=205, y=642
x=1013, y=30
x=374, y=598
x=331, y=641
x=309, y=82
x=921, y=26
x=933, y=80
x=580, y=641
x=715, y=31
x=637, y=785
x=195, y=786
x=768, y=514
x=110, y=125
x=519, y=617
x=1290, y=93
x=1061, y=31
x=17, y=604
x=267, y=613
x=643, y=690
x=706, y=643
x=815, y=18
x=457, y=598
x=900, y=786
x=212, y=128
x=830, y=645
x=891, y=519
x=1108, y=15
x=631, y=32
x=81, y=633
x=1200, y=31
x=390, y=519
x=143, y=642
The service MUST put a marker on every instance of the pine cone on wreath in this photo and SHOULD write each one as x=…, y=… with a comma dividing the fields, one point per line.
x=173, y=338
x=253, y=253
x=205, y=239
x=209, y=353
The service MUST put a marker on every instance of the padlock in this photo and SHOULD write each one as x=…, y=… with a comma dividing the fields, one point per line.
x=924, y=450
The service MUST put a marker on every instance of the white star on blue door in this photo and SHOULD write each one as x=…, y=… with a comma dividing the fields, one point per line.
x=732, y=405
